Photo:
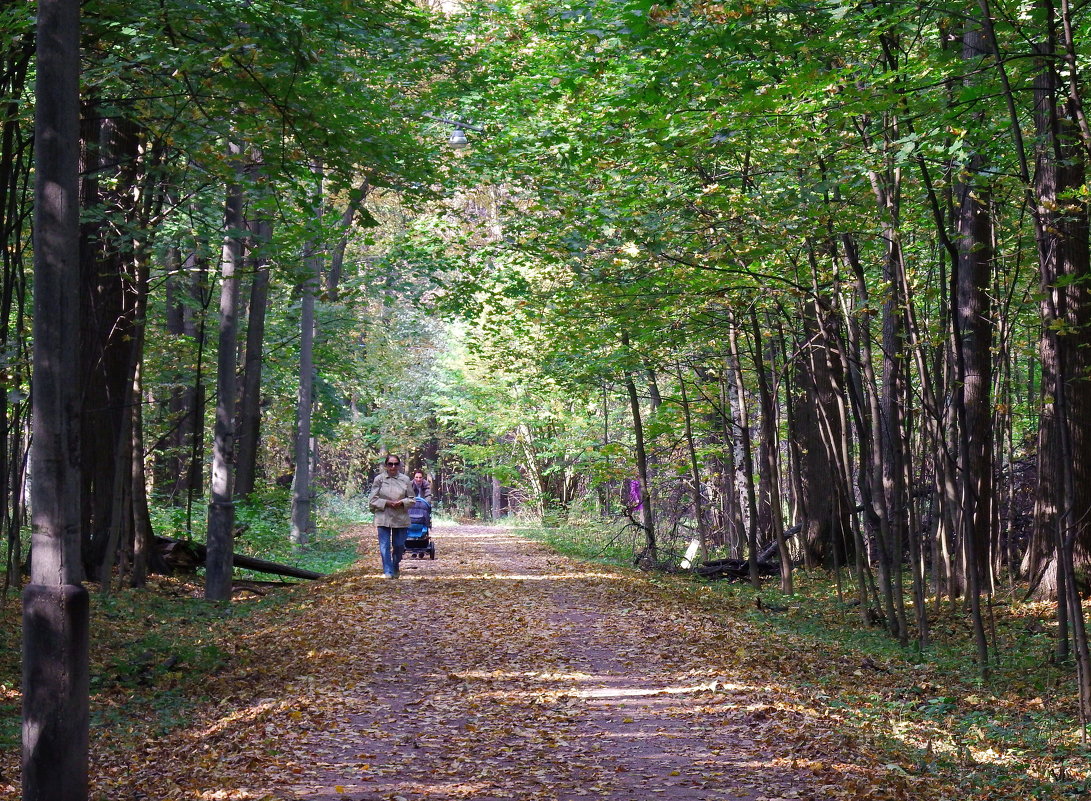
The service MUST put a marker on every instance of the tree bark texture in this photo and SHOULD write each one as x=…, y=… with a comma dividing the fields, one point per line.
x=55, y=606
x=221, y=510
x=747, y=455
x=109, y=300
x=250, y=403
x=647, y=516
x=301, y=483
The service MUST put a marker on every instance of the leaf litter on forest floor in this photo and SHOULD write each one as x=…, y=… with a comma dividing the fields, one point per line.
x=501, y=670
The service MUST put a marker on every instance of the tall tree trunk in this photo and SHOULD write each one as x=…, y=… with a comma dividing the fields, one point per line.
x=863, y=402
x=221, y=508
x=734, y=526
x=647, y=513
x=337, y=257
x=15, y=178
x=769, y=470
x=188, y=298
x=301, y=483
x=250, y=403
x=312, y=269
x=143, y=533
x=973, y=361
x=822, y=421
x=55, y=605
x=110, y=298
x=695, y=472
x=1065, y=264
x=747, y=454
x=888, y=401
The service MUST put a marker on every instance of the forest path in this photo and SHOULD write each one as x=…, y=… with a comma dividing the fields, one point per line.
x=501, y=670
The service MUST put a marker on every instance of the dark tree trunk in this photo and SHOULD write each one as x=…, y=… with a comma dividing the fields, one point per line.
x=647, y=517
x=863, y=402
x=250, y=403
x=734, y=527
x=221, y=508
x=304, y=445
x=109, y=301
x=15, y=178
x=1063, y=241
x=973, y=362
x=55, y=605
x=337, y=257
x=187, y=301
x=825, y=476
x=143, y=534
x=768, y=468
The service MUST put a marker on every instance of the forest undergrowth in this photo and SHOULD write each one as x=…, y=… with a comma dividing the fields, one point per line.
x=161, y=658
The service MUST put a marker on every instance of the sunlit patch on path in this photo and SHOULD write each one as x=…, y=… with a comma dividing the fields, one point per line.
x=506, y=672
x=500, y=670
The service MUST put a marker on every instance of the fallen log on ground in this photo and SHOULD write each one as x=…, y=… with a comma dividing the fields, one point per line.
x=182, y=556
x=734, y=569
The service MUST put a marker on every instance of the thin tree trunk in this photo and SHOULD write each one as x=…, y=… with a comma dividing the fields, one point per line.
x=768, y=455
x=747, y=456
x=301, y=483
x=862, y=402
x=695, y=473
x=733, y=521
x=144, y=535
x=647, y=515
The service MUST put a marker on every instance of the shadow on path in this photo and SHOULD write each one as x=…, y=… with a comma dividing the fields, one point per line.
x=502, y=671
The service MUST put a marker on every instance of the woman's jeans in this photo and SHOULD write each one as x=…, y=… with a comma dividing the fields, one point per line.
x=388, y=536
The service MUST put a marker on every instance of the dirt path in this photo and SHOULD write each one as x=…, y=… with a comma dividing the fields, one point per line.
x=502, y=671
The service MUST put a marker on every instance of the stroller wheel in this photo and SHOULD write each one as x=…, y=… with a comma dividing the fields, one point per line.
x=431, y=551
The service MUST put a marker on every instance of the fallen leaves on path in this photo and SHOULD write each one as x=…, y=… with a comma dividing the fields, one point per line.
x=502, y=671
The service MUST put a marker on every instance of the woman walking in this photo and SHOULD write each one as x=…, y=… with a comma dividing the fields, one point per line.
x=391, y=496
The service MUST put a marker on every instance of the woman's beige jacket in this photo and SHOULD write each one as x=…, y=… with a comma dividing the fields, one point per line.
x=391, y=488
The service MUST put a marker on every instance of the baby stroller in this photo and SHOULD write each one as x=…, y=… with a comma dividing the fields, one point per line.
x=418, y=542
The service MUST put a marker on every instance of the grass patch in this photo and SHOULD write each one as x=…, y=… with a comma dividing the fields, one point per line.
x=599, y=540
x=265, y=520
